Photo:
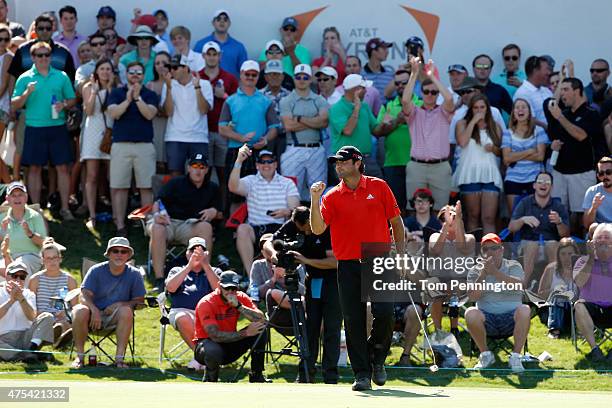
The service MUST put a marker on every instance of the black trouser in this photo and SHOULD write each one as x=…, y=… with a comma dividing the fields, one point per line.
x=363, y=350
x=213, y=355
x=324, y=309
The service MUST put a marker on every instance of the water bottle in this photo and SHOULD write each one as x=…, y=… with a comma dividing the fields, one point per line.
x=54, y=112
x=63, y=292
x=343, y=357
x=92, y=358
x=254, y=292
x=554, y=157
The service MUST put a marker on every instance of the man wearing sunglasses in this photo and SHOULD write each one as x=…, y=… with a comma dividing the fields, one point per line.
x=482, y=66
x=98, y=45
x=294, y=53
x=497, y=313
x=512, y=76
x=109, y=293
x=233, y=51
x=304, y=114
x=133, y=108
x=542, y=220
x=186, y=100
x=597, y=204
x=20, y=328
x=217, y=338
x=192, y=202
x=275, y=51
x=598, y=90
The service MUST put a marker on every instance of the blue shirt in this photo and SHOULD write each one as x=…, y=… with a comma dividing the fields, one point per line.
x=498, y=97
x=380, y=79
x=524, y=171
x=132, y=126
x=233, y=53
x=548, y=230
x=194, y=287
x=604, y=212
x=246, y=114
x=108, y=288
x=502, y=79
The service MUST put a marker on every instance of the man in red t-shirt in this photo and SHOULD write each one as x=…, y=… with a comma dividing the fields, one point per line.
x=217, y=340
x=358, y=211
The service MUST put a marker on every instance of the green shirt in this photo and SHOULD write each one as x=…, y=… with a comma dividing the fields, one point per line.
x=38, y=105
x=361, y=137
x=132, y=56
x=301, y=53
x=19, y=243
x=397, y=143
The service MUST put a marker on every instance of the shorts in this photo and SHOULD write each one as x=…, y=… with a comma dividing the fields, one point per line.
x=435, y=176
x=499, y=324
x=174, y=312
x=520, y=189
x=177, y=231
x=46, y=144
x=109, y=321
x=570, y=188
x=478, y=188
x=217, y=149
x=127, y=156
x=261, y=230
x=601, y=315
x=177, y=153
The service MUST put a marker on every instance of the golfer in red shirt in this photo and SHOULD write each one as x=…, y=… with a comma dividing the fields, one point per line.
x=358, y=211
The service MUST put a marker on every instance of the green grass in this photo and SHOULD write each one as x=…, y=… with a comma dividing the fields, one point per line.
x=568, y=370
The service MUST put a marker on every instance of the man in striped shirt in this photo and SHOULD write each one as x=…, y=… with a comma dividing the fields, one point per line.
x=270, y=199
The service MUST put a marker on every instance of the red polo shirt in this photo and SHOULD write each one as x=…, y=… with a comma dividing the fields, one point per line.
x=358, y=216
x=230, y=83
x=211, y=309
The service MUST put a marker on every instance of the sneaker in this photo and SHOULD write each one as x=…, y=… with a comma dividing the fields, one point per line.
x=361, y=384
x=194, y=365
x=258, y=377
x=66, y=215
x=596, y=356
x=160, y=285
x=64, y=339
x=379, y=374
x=515, y=363
x=211, y=375
x=485, y=360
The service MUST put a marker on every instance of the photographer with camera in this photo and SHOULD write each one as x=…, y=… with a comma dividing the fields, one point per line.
x=322, y=300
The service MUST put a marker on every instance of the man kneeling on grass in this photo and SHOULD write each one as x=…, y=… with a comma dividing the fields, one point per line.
x=218, y=342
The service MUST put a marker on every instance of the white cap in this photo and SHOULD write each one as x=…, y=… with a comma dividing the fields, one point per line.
x=219, y=12
x=303, y=69
x=329, y=71
x=354, y=80
x=249, y=65
x=275, y=42
x=211, y=45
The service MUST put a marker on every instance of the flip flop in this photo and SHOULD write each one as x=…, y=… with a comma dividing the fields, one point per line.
x=77, y=363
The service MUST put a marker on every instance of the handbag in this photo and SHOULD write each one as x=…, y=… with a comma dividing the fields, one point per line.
x=107, y=139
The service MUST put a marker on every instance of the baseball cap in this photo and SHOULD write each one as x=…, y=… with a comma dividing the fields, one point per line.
x=303, y=69
x=265, y=153
x=229, y=279
x=376, y=42
x=273, y=66
x=195, y=241
x=277, y=43
x=491, y=237
x=354, y=80
x=422, y=191
x=161, y=11
x=16, y=266
x=249, y=65
x=467, y=83
x=106, y=11
x=346, y=153
x=211, y=45
x=414, y=40
x=217, y=13
x=290, y=21
x=457, y=68
x=146, y=19
x=118, y=242
x=198, y=158
x=16, y=185
x=178, y=60
x=329, y=71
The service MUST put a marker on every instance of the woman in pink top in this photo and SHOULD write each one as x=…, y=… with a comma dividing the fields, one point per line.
x=334, y=54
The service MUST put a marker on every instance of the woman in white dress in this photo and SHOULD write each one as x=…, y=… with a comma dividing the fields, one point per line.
x=160, y=71
x=477, y=175
x=95, y=95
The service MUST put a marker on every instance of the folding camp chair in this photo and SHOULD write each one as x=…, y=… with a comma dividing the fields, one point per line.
x=180, y=348
x=602, y=333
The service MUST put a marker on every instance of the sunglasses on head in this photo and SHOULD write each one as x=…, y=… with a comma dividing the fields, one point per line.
x=289, y=28
x=433, y=92
x=482, y=66
x=465, y=91
x=120, y=251
x=511, y=58
x=130, y=72
x=598, y=70
x=266, y=161
x=399, y=83
x=323, y=79
x=302, y=77
x=20, y=276
x=44, y=28
x=607, y=172
x=42, y=55
x=98, y=43
x=198, y=166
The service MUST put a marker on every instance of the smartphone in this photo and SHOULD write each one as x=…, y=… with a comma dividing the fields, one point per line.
x=509, y=74
x=270, y=212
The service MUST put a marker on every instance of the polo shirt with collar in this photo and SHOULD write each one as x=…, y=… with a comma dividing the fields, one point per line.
x=248, y=113
x=61, y=59
x=535, y=96
x=184, y=200
x=359, y=216
x=381, y=79
x=263, y=195
x=212, y=309
x=598, y=287
x=429, y=133
x=502, y=79
x=339, y=115
x=132, y=126
x=14, y=319
x=193, y=288
x=397, y=143
x=294, y=105
x=498, y=96
x=528, y=206
x=230, y=84
x=187, y=124
x=372, y=98
x=233, y=53
x=302, y=54
x=604, y=212
x=195, y=61
x=132, y=56
x=38, y=105
x=72, y=45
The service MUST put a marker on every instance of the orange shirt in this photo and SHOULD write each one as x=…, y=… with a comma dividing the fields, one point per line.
x=359, y=216
x=212, y=309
